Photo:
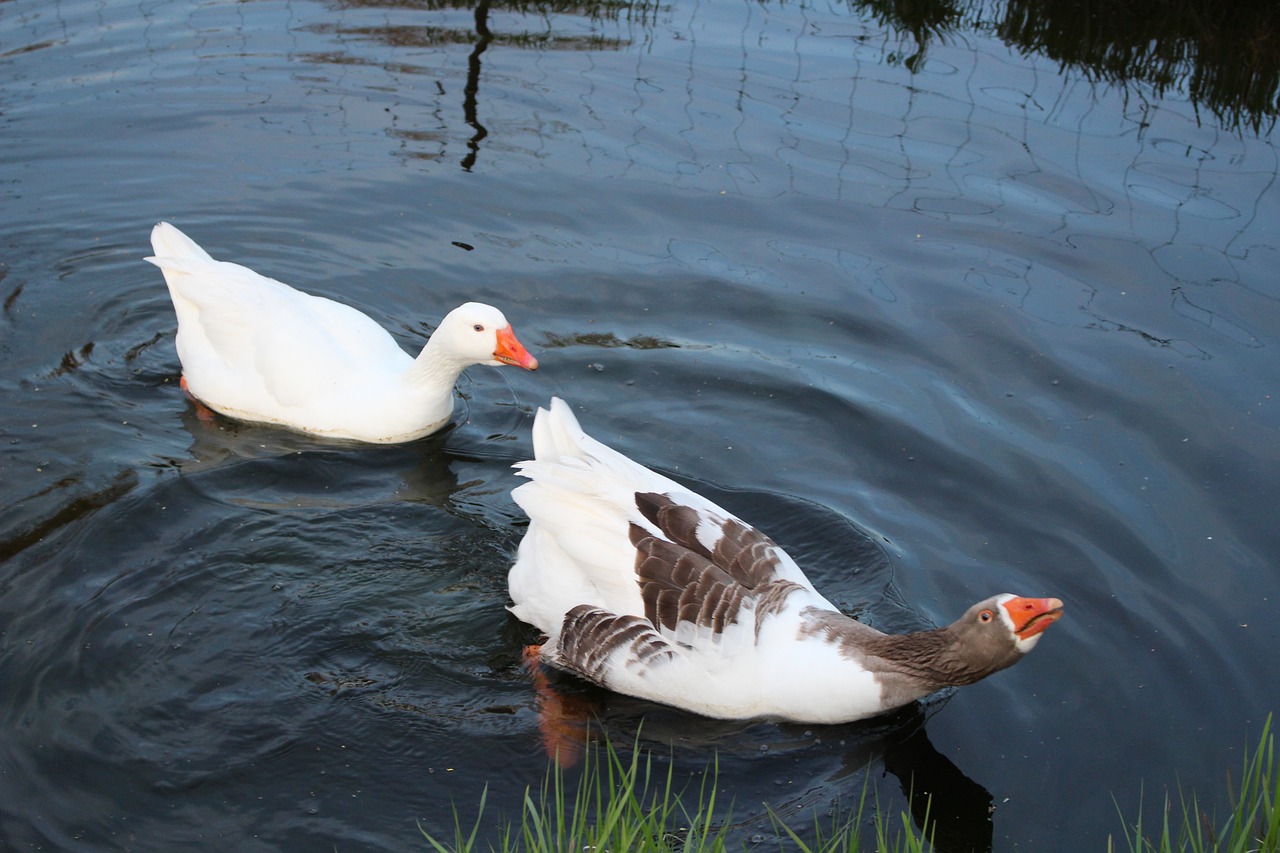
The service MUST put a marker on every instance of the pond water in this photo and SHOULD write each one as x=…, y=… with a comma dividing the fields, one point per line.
x=944, y=306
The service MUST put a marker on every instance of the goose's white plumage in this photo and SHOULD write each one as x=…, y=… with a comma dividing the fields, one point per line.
x=651, y=590
x=256, y=349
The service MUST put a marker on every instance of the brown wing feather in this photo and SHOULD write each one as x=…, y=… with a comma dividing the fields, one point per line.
x=679, y=585
x=590, y=635
x=771, y=598
x=682, y=581
x=744, y=553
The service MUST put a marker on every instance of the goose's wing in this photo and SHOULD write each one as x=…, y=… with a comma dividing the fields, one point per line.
x=626, y=570
x=588, y=507
x=236, y=321
x=722, y=633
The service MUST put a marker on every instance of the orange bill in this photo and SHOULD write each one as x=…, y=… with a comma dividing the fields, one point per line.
x=511, y=351
x=1033, y=615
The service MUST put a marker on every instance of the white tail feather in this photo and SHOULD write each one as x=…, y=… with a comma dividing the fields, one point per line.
x=168, y=242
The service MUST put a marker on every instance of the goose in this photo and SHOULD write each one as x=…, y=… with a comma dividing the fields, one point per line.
x=256, y=349
x=648, y=589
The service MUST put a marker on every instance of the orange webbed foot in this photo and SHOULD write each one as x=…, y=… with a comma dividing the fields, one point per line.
x=203, y=412
x=562, y=720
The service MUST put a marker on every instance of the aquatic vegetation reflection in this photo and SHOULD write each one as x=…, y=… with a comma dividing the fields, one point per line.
x=1224, y=59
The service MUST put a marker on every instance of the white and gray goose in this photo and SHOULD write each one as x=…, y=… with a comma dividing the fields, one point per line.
x=651, y=590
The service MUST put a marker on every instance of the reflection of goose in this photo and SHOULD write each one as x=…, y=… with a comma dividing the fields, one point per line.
x=256, y=349
x=951, y=809
x=648, y=589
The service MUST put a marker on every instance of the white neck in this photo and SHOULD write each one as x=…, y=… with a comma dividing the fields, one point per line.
x=435, y=370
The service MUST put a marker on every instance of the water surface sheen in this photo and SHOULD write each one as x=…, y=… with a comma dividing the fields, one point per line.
x=948, y=316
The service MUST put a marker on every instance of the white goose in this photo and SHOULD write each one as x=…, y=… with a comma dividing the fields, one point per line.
x=256, y=349
x=650, y=590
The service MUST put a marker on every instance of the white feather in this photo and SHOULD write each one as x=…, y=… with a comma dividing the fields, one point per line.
x=256, y=349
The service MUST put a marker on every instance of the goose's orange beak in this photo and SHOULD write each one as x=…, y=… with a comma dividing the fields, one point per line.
x=1033, y=615
x=511, y=351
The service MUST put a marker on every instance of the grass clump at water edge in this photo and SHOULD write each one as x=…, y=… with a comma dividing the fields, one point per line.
x=1252, y=827
x=624, y=805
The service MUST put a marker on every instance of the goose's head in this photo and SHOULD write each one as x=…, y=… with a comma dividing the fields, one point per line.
x=480, y=334
x=997, y=632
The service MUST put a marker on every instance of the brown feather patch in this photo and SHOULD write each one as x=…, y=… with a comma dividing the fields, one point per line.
x=678, y=585
x=744, y=553
x=590, y=635
x=771, y=599
x=682, y=581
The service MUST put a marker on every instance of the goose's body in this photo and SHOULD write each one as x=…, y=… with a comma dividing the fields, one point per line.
x=651, y=590
x=256, y=349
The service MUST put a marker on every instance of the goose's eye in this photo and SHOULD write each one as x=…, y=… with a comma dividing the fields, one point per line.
x=478, y=327
x=986, y=616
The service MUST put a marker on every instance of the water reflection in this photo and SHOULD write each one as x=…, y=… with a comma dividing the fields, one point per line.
x=316, y=473
x=480, y=36
x=1223, y=57
x=483, y=37
x=606, y=340
x=72, y=509
x=943, y=800
x=1226, y=59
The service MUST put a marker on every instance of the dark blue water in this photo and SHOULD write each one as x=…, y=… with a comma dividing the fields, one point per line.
x=948, y=321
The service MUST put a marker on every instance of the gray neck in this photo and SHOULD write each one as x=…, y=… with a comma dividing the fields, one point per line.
x=933, y=658
x=914, y=665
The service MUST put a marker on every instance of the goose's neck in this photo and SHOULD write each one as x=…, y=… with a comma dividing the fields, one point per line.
x=920, y=662
x=930, y=657
x=435, y=370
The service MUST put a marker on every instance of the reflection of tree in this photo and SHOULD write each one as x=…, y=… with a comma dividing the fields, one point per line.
x=1226, y=60
x=481, y=37
x=924, y=20
x=1225, y=57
